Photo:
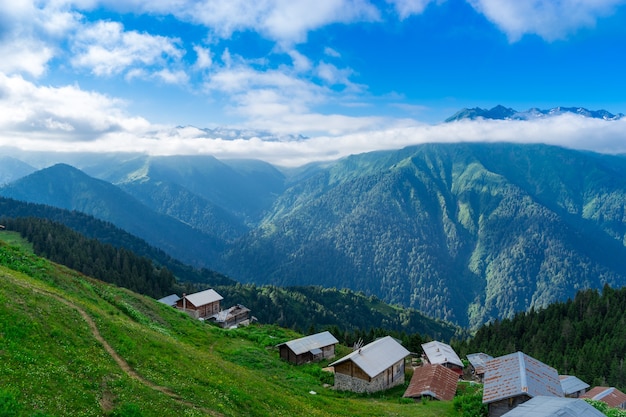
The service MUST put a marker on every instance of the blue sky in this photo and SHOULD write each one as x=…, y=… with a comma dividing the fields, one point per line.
x=348, y=75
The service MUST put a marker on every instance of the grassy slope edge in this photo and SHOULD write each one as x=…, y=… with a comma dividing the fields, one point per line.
x=53, y=363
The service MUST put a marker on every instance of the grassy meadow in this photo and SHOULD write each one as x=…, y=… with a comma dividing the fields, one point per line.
x=74, y=346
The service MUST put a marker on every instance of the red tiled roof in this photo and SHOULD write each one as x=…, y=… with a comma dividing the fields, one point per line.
x=436, y=381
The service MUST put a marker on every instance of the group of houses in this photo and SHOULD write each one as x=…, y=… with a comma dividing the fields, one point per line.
x=206, y=305
x=514, y=385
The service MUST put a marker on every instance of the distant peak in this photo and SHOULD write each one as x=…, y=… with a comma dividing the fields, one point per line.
x=501, y=112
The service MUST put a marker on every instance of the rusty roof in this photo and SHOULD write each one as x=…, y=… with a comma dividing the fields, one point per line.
x=608, y=395
x=438, y=352
x=554, y=407
x=479, y=361
x=519, y=374
x=436, y=381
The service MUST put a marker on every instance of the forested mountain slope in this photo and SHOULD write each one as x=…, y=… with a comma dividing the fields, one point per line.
x=66, y=187
x=465, y=232
x=349, y=314
x=218, y=197
x=583, y=336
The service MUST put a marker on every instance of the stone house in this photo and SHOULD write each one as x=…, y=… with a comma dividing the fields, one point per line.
x=374, y=367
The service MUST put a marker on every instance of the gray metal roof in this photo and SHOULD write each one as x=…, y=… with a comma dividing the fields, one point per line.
x=377, y=356
x=518, y=374
x=479, y=361
x=440, y=353
x=572, y=384
x=204, y=297
x=170, y=300
x=309, y=343
x=554, y=407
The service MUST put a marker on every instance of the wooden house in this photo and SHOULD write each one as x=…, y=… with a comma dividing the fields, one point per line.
x=478, y=364
x=200, y=305
x=572, y=386
x=232, y=317
x=309, y=348
x=433, y=381
x=374, y=367
x=438, y=353
x=513, y=379
x=608, y=395
x=554, y=407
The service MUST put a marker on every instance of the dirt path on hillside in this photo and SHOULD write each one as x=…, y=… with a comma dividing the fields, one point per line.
x=116, y=357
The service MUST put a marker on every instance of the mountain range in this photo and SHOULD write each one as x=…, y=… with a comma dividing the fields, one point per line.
x=500, y=112
x=463, y=232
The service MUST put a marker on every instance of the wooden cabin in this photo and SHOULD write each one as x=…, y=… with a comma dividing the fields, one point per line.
x=200, y=305
x=572, y=386
x=311, y=348
x=438, y=353
x=513, y=379
x=433, y=381
x=232, y=317
x=478, y=364
x=374, y=367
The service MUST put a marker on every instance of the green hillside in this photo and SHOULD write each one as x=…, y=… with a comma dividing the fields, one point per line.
x=73, y=346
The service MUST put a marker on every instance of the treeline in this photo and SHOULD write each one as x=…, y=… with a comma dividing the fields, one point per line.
x=108, y=233
x=105, y=262
x=350, y=316
x=584, y=336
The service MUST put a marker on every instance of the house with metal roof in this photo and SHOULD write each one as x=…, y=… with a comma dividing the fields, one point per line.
x=513, y=379
x=170, y=300
x=200, y=305
x=554, y=407
x=442, y=354
x=237, y=315
x=374, y=367
x=572, y=386
x=309, y=348
x=608, y=395
x=433, y=381
x=478, y=364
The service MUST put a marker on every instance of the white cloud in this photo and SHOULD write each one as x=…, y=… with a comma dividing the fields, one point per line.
x=106, y=49
x=335, y=76
x=331, y=52
x=70, y=119
x=172, y=77
x=204, y=58
x=547, y=18
x=300, y=62
x=30, y=113
x=23, y=55
x=406, y=8
x=29, y=32
x=285, y=21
